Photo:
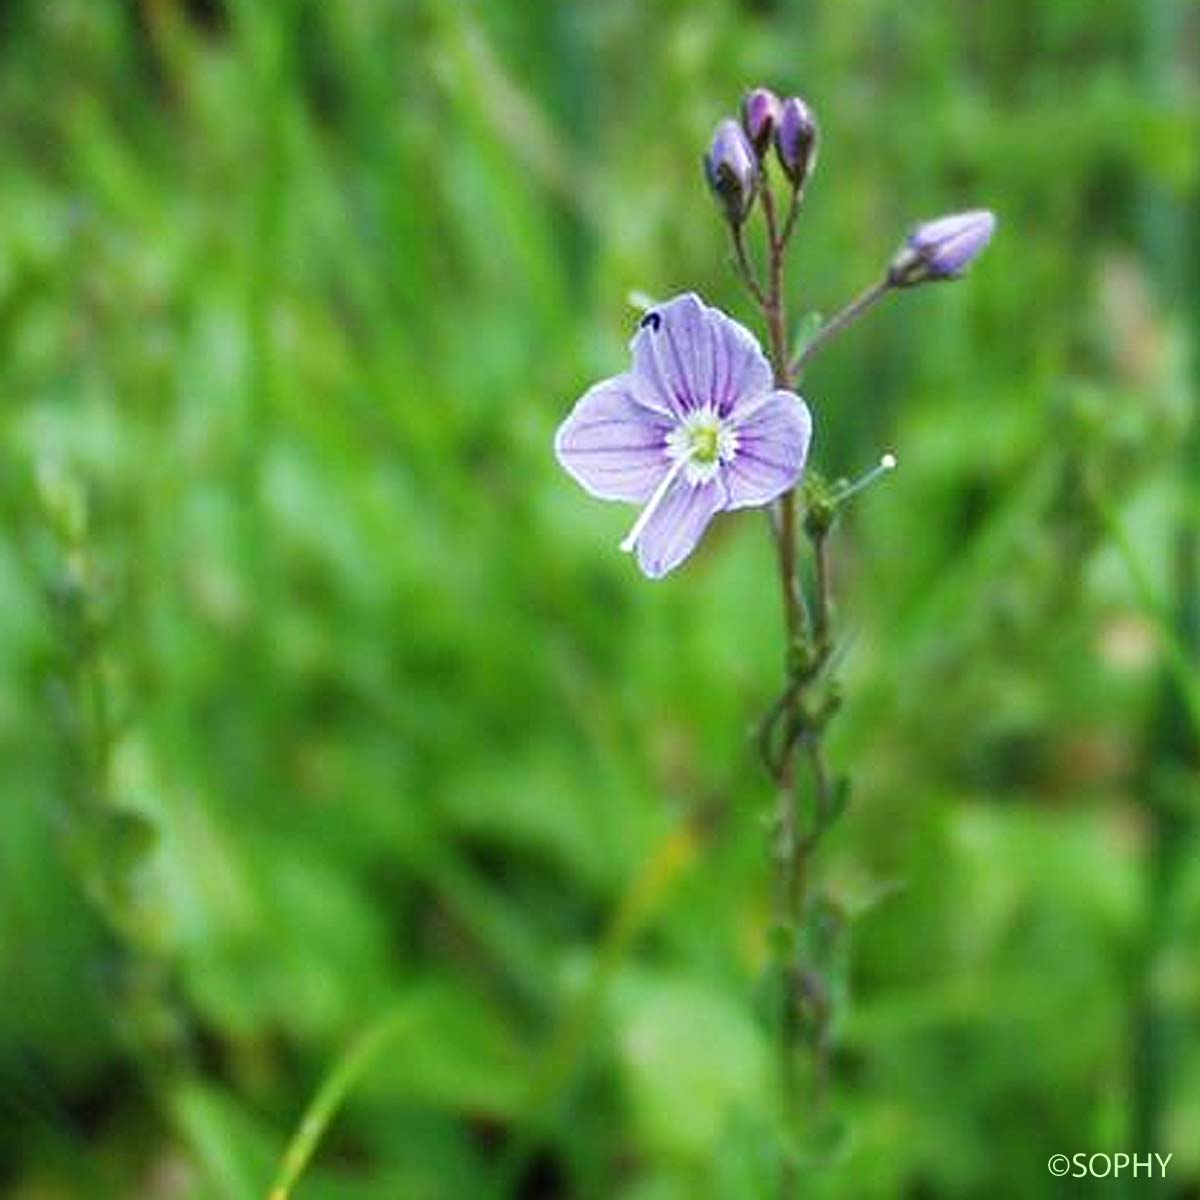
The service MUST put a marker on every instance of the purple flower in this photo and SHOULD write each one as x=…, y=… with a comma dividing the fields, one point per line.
x=695, y=427
x=796, y=140
x=760, y=115
x=942, y=249
x=731, y=168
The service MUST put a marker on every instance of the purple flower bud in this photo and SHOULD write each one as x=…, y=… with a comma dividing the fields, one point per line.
x=732, y=170
x=942, y=249
x=760, y=117
x=796, y=140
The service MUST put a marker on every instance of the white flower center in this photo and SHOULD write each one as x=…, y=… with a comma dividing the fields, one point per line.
x=697, y=447
x=703, y=441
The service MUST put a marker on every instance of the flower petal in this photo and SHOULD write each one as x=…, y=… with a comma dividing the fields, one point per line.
x=772, y=448
x=677, y=524
x=687, y=356
x=949, y=244
x=614, y=446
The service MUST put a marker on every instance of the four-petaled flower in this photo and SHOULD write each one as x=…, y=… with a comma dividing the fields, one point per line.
x=695, y=427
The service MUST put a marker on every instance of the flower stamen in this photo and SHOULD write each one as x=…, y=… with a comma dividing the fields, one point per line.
x=660, y=494
x=886, y=463
x=698, y=446
x=705, y=442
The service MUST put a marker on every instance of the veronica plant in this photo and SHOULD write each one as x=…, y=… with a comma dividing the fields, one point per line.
x=705, y=422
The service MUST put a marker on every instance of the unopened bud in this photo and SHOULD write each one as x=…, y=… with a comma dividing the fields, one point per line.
x=760, y=117
x=942, y=249
x=796, y=140
x=732, y=170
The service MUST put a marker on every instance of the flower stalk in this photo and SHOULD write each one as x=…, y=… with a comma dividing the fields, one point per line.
x=840, y=322
x=809, y=795
x=809, y=643
x=704, y=423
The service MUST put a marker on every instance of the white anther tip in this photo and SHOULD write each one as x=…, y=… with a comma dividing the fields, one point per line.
x=888, y=462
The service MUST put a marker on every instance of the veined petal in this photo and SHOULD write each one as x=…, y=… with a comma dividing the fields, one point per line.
x=677, y=524
x=614, y=446
x=688, y=356
x=772, y=448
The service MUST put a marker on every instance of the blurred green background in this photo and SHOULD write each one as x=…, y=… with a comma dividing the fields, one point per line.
x=326, y=695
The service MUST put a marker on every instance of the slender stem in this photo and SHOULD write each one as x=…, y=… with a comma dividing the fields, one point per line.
x=823, y=605
x=745, y=266
x=822, y=651
x=822, y=786
x=789, y=222
x=802, y=720
x=835, y=324
x=775, y=281
x=345, y=1073
x=775, y=312
x=790, y=881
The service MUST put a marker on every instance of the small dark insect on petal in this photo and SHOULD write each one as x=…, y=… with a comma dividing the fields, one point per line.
x=651, y=320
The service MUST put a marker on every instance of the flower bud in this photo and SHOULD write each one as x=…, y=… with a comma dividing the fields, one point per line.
x=942, y=249
x=732, y=170
x=796, y=140
x=760, y=117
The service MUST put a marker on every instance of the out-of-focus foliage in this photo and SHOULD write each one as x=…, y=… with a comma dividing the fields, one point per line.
x=325, y=694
